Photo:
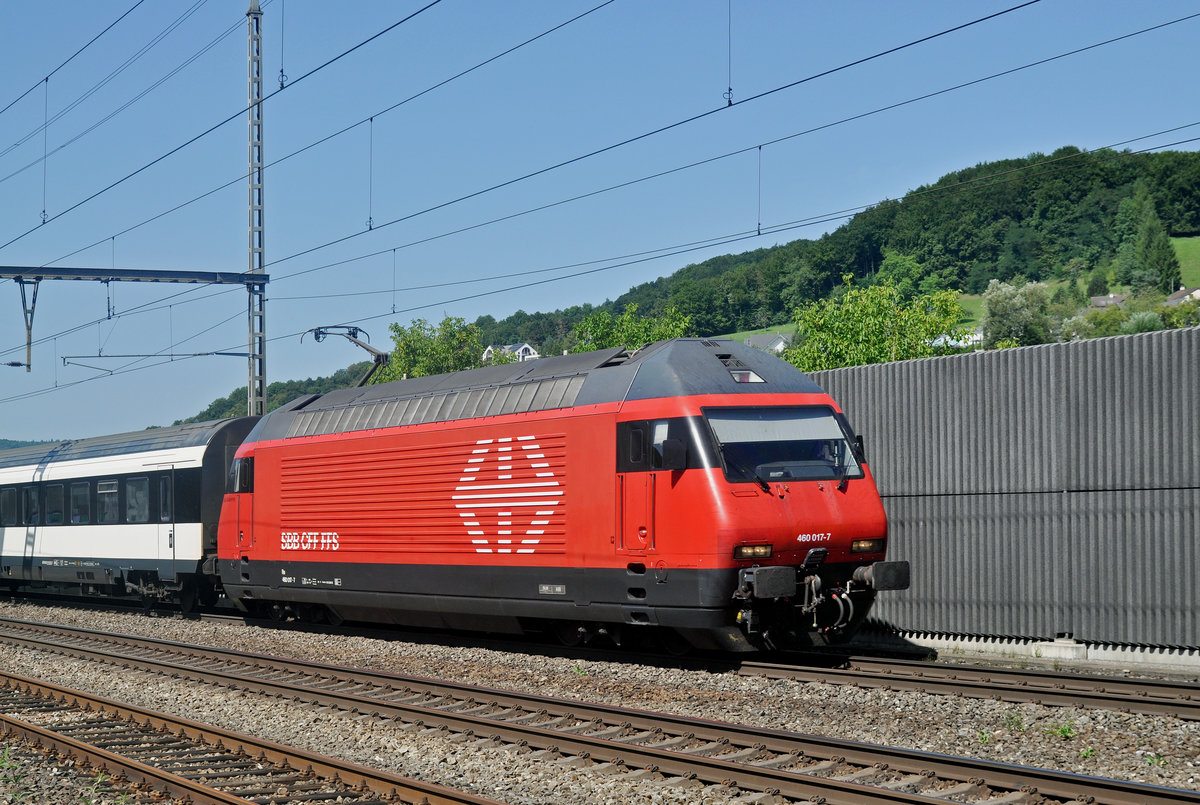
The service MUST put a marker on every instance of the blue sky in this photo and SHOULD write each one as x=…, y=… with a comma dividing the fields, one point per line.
x=626, y=69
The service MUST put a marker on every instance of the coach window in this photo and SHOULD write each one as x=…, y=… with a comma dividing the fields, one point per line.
x=137, y=500
x=32, y=516
x=54, y=504
x=164, y=498
x=107, y=509
x=8, y=507
x=81, y=503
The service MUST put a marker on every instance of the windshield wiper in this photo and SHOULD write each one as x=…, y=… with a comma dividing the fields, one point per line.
x=749, y=473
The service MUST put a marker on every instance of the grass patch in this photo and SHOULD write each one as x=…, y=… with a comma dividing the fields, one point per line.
x=785, y=329
x=1188, y=252
x=972, y=305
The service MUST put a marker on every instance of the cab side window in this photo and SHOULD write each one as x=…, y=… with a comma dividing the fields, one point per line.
x=241, y=475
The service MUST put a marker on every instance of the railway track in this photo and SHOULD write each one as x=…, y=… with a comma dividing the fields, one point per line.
x=779, y=765
x=196, y=762
x=1149, y=696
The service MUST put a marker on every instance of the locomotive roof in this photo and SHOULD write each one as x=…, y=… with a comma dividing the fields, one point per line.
x=675, y=368
x=197, y=434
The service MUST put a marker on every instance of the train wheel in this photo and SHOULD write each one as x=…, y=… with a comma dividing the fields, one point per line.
x=189, y=596
x=208, y=593
x=318, y=614
x=570, y=634
x=674, y=643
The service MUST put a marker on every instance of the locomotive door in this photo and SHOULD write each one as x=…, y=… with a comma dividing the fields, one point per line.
x=243, y=486
x=637, y=512
x=636, y=488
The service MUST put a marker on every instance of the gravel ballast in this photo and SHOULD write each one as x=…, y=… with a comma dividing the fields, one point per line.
x=1151, y=749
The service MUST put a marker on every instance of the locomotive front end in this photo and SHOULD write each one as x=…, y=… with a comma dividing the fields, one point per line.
x=808, y=533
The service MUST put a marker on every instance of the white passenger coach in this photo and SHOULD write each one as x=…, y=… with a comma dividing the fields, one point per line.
x=128, y=515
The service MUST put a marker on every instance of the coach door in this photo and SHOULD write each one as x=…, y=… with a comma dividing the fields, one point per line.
x=165, y=516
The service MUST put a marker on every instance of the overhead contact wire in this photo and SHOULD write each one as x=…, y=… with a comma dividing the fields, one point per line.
x=213, y=128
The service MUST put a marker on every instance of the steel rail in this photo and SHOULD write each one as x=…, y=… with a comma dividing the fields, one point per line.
x=1052, y=688
x=591, y=731
x=351, y=775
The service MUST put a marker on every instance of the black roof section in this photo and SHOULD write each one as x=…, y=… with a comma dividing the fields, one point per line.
x=142, y=441
x=675, y=368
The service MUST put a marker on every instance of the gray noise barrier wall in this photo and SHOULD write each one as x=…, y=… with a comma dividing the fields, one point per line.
x=1041, y=491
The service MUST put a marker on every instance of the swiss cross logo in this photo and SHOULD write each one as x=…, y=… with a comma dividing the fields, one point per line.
x=506, y=495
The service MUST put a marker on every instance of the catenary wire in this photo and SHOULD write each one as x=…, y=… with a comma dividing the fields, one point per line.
x=159, y=304
x=721, y=241
x=550, y=168
x=157, y=83
x=911, y=100
x=662, y=129
x=217, y=126
x=241, y=178
x=106, y=80
x=71, y=58
x=660, y=174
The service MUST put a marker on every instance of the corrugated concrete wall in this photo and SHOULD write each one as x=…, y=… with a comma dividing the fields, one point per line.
x=1040, y=491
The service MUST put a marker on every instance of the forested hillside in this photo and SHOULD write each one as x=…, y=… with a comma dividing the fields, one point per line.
x=1040, y=217
x=280, y=393
x=8, y=444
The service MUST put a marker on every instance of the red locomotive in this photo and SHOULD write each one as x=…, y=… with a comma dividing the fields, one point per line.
x=695, y=488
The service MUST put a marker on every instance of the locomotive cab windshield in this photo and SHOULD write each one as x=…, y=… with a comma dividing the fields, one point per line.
x=764, y=445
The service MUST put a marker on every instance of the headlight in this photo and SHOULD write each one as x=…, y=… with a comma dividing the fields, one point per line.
x=752, y=551
x=867, y=546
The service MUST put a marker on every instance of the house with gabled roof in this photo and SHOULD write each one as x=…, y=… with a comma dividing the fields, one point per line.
x=522, y=351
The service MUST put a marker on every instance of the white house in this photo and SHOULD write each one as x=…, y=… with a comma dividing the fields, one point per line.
x=770, y=342
x=524, y=352
x=1183, y=295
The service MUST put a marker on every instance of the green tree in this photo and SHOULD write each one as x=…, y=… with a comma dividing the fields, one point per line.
x=1186, y=314
x=1156, y=255
x=1147, y=321
x=873, y=324
x=902, y=271
x=602, y=330
x=1016, y=313
x=423, y=349
x=1098, y=283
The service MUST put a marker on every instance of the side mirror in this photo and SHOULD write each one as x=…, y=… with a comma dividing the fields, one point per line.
x=858, y=445
x=674, y=454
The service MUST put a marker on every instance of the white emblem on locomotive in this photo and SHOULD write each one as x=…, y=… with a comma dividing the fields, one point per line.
x=506, y=494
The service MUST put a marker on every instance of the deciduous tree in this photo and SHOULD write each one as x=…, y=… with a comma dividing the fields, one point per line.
x=1016, y=313
x=874, y=324
x=423, y=349
x=602, y=330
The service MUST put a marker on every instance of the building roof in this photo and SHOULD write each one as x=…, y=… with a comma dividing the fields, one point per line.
x=1112, y=300
x=1183, y=295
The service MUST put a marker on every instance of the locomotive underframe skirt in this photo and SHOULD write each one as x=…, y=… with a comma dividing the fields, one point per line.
x=698, y=603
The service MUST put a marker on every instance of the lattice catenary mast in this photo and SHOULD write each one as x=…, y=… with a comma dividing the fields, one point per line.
x=256, y=390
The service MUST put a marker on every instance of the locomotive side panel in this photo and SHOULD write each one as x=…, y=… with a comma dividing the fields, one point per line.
x=506, y=517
